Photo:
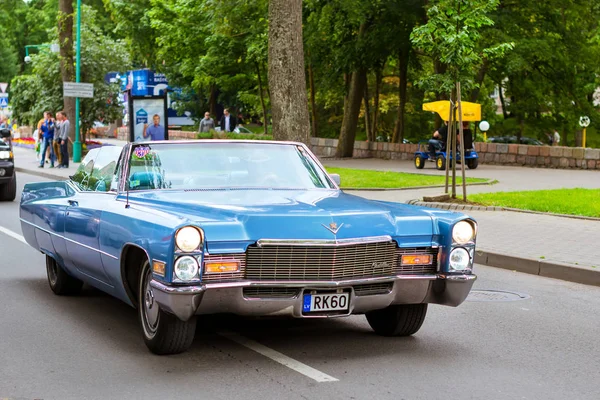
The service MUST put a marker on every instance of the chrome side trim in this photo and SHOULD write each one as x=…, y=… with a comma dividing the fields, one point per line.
x=69, y=240
x=322, y=242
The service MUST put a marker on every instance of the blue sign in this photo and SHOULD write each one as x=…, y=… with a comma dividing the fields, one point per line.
x=141, y=117
x=3, y=102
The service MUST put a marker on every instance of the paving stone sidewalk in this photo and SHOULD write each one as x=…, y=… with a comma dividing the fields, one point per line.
x=546, y=245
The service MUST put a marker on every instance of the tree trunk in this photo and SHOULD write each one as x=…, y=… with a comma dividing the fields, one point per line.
x=367, y=111
x=439, y=68
x=403, y=75
x=287, y=79
x=378, y=79
x=67, y=63
x=502, y=102
x=351, y=112
x=212, y=101
x=262, y=100
x=313, y=104
x=479, y=81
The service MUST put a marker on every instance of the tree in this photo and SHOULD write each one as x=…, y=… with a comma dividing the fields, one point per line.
x=42, y=89
x=452, y=34
x=286, y=72
x=66, y=44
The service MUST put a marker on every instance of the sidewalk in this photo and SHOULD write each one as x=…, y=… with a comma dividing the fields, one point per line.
x=545, y=245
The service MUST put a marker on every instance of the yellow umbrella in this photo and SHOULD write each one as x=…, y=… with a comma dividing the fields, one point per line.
x=470, y=111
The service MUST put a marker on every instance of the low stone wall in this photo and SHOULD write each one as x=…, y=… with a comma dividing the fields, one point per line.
x=489, y=153
x=123, y=134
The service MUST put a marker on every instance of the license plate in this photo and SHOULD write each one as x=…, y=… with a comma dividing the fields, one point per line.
x=326, y=302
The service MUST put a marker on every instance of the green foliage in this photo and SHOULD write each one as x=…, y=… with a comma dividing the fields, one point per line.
x=452, y=35
x=231, y=135
x=41, y=90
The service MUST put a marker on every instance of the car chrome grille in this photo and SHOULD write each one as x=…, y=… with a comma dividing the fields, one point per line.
x=270, y=292
x=373, y=288
x=225, y=276
x=291, y=262
x=417, y=269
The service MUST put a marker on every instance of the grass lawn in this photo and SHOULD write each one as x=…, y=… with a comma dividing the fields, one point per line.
x=584, y=202
x=361, y=178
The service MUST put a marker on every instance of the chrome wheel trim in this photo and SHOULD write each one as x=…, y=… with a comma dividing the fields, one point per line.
x=52, y=270
x=149, y=308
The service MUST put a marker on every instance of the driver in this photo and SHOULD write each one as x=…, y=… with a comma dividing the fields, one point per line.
x=5, y=125
x=440, y=137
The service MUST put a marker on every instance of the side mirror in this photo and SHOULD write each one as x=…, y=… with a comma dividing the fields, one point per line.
x=336, y=178
x=5, y=133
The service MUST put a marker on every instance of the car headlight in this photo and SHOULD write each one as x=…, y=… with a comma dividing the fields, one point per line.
x=5, y=155
x=463, y=232
x=186, y=268
x=459, y=259
x=188, y=239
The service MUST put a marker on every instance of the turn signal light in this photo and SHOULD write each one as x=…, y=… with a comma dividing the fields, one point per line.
x=219, y=267
x=158, y=267
x=417, y=259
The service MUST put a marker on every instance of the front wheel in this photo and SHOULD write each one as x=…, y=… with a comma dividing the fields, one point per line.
x=8, y=191
x=60, y=282
x=163, y=333
x=398, y=320
x=472, y=163
x=440, y=162
x=419, y=162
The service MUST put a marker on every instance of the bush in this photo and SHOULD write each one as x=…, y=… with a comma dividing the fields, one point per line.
x=231, y=135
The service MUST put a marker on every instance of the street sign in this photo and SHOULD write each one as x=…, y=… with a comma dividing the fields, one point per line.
x=72, y=89
x=584, y=121
x=3, y=102
x=3, y=87
x=4, y=95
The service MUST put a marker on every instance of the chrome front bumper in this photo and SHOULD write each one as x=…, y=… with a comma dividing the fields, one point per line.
x=213, y=298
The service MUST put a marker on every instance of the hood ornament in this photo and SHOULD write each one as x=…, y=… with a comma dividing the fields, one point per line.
x=333, y=227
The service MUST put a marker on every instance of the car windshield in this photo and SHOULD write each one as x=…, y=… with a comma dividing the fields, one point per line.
x=222, y=165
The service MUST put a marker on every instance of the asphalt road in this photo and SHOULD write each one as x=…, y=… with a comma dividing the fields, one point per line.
x=90, y=347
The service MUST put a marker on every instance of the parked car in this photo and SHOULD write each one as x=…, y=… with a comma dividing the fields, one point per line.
x=180, y=229
x=513, y=140
x=8, y=176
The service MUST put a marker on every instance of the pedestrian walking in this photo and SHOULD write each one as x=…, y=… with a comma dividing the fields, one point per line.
x=228, y=121
x=47, y=128
x=63, y=139
x=207, y=124
x=555, y=139
x=56, y=141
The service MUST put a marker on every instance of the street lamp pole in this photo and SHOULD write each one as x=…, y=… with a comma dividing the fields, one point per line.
x=77, y=144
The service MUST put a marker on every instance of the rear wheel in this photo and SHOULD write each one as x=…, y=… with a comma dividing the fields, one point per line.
x=440, y=162
x=472, y=163
x=419, y=162
x=8, y=191
x=60, y=282
x=163, y=333
x=398, y=320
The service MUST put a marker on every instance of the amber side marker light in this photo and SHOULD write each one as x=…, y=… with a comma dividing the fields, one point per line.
x=218, y=267
x=417, y=259
x=158, y=267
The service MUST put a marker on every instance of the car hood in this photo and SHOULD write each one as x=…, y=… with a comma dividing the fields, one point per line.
x=249, y=215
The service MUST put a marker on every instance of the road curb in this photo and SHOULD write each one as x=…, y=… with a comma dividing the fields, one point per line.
x=41, y=174
x=545, y=268
x=490, y=182
x=453, y=206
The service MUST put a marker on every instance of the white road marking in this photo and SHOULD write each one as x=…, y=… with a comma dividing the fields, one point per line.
x=13, y=234
x=251, y=344
x=278, y=357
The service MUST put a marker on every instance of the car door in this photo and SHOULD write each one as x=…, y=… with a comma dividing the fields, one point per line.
x=84, y=212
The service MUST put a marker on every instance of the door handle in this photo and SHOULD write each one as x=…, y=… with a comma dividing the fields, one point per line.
x=73, y=203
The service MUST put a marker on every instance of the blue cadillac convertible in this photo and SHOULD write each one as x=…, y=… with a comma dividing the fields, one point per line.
x=181, y=229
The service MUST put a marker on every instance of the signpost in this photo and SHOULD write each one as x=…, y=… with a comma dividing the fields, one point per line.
x=584, y=122
x=3, y=95
x=79, y=90
x=3, y=87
